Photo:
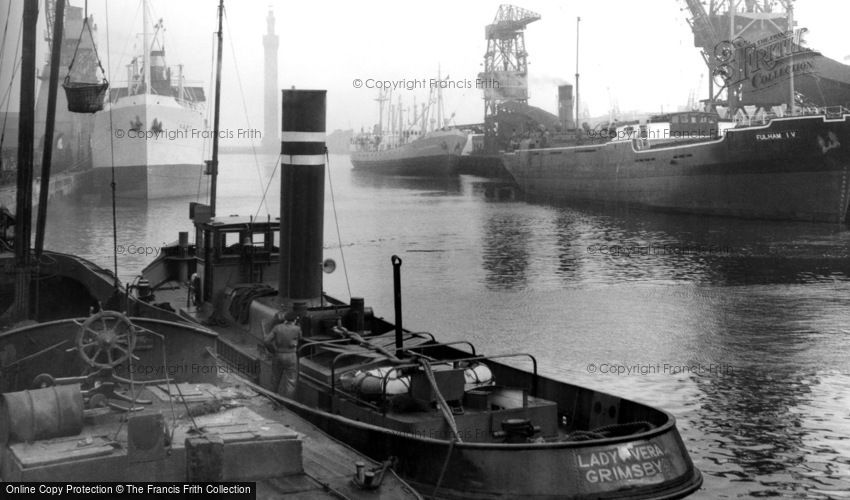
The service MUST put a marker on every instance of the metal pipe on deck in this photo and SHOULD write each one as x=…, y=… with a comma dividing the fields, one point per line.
x=399, y=330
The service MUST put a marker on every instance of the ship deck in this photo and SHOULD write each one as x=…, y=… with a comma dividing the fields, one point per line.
x=163, y=438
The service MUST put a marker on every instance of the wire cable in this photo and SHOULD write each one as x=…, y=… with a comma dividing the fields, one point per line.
x=266, y=190
x=336, y=221
x=112, y=160
x=245, y=107
x=6, y=99
x=5, y=29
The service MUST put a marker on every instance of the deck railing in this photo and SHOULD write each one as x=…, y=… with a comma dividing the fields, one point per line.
x=763, y=118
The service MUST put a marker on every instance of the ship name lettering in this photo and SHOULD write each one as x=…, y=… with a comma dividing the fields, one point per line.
x=636, y=453
x=647, y=451
x=600, y=458
x=769, y=137
x=623, y=473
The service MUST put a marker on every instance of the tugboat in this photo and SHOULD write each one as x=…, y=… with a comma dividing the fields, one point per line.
x=456, y=422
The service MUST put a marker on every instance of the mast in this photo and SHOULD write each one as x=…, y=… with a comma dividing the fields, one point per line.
x=50, y=125
x=731, y=96
x=382, y=96
x=146, y=54
x=439, y=99
x=791, y=97
x=578, y=123
x=213, y=165
x=23, y=213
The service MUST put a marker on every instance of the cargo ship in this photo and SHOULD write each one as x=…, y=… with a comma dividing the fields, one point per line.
x=152, y=130
x=790, y=168
x=782, y=154
x=433, y=154
x=424, y=146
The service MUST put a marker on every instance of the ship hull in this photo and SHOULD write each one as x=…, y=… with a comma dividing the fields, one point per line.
x=791, y=169
x=149, y=164
x=437, y=154
x=542, y=469
x=148, y=182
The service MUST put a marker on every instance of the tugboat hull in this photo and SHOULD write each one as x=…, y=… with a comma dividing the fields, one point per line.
x=565, y=461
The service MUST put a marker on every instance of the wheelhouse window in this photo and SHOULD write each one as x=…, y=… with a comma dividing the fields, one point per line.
x=230, y=243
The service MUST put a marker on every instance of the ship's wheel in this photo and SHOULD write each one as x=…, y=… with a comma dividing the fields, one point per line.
x=106, y=339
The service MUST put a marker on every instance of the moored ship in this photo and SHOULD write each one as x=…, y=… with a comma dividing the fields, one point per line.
x=782, y=155
x=435, y=153
x=791, y=168
x=425, y=146
x=152, y=131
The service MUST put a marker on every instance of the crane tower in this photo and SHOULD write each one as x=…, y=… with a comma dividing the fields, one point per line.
x=758, y=39
x=505, y=75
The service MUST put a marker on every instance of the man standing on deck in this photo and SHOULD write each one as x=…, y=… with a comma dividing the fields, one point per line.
x=282, y=341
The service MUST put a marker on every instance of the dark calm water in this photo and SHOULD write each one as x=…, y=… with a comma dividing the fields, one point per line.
x=741, y=329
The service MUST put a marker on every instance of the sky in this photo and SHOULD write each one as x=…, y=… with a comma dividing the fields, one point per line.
x=637, y=55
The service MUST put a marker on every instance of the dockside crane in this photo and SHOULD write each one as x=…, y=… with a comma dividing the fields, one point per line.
x=85, y=66
x=718, y=28
x=505, y=75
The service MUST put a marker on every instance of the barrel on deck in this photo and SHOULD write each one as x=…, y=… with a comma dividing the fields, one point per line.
x=41, y=413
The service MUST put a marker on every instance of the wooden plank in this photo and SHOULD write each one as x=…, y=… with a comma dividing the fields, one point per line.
x=44, y=453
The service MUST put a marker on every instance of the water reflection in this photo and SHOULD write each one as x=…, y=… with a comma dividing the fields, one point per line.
x=439, y=185
x=92, y=221
x=491, y=190
x=772, y=350
x=766, y=299
x=505, y=252
x=615, y=245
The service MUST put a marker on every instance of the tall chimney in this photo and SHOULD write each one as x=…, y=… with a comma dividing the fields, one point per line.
x=302, y=194
x=565, y=107
x=270, y=46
